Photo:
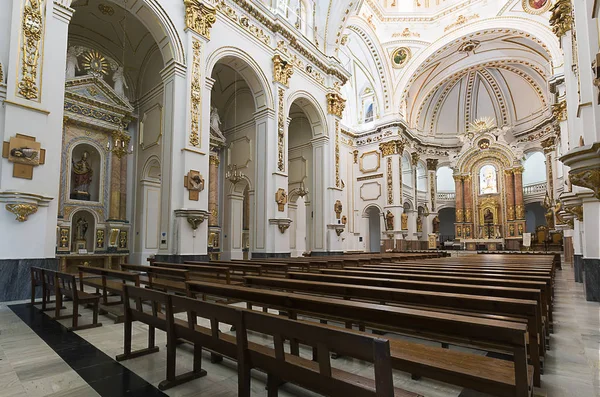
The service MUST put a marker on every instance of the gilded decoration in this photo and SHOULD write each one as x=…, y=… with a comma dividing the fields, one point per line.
x=22, y=211
x=415, y=158
x=432, y=192
x=100, y=238
x=520, y=212
x=469, y=46
x=536, y=7
x=280, y=131
x=459, y=215
x=559, y=110
x=337, y=154
x=548, y=144
x=355, y=156
x=400, y=57
x=576, y=210
x=120, y=143
x=387, y=148
x=283, y=227
x=335, y=104
x=281, y=199
x=25, y=154
x=199, y=17
x=282, y=70
x=432, y=164
x=389, y=220
x=390, y=185
x=196, y=94
x=63, y=239
x=561, y=18
x=588, y=178
x=461, y=20
x=468, y=215
x=123, y=239
x=33, y=28
x=338, y=208
x=1, y=74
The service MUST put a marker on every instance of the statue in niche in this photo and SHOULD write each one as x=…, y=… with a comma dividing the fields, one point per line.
x=389, y=220
x=436, y=224
x=215, y=124
x=419, y=223
x=404, y=221
x=72, y=62
x=82, y=178
x=487, y=180
x=120, y=83
x=81, y=227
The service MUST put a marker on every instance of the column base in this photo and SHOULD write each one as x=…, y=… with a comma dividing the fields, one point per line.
x=15, y=277
x=578, y=268
x=591, y=279
x=261, y=255
x=180, y=258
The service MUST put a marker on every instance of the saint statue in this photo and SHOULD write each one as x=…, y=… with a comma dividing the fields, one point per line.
x=487, y=180
x=389, y=220
x=404, y=221
x=419, y=224
x=72, y=63
x=215, y=124
x=82, y=177
x=436, y=224
x=81, y=229
x=120, y=83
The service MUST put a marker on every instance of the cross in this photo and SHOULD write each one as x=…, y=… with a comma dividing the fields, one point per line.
x=25, y=153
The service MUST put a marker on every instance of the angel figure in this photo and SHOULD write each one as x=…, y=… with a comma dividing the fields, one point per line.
x=120, y=83
x=215, y=124
x=72, y=63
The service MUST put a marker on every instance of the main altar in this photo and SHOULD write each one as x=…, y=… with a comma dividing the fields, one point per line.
x=490, y=212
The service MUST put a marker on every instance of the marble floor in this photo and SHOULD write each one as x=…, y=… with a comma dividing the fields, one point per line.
x=38, y=357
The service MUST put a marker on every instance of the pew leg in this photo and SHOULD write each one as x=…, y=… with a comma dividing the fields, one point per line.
x=244, y=379
x=175, y=380
x=75, y=314
x=273, y=384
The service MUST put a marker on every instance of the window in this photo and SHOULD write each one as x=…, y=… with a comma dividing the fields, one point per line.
x=369, y=113
x=303, y=17
x=487, y=180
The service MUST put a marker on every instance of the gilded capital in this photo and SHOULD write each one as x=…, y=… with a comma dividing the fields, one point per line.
x=548, y=144
x=399, y=146
x=432, y=164
x=415, y=158
x=387, y=148
x=199, y=17
x=559, y=110
x=282, y=70
x=561, y=18
x=335, y=104
x=576, y=210
x=588, y=178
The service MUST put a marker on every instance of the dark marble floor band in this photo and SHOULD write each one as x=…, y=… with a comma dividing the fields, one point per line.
x=106, y=376
x=591, y=279
x=15, y=276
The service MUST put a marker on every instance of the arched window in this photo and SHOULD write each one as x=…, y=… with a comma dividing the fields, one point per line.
x=369, y=113
x=534, y=168
x=421, y=177
x=488, y=183
x=407, y=174
x=303, y=16
x=445, y=182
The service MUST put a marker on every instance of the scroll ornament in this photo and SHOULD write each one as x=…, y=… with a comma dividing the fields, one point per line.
x=199, y=17
x=22, y=211
x=589, y=179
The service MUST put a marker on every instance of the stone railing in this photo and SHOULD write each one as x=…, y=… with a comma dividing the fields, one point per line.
x=534, y=188
x=446, y=196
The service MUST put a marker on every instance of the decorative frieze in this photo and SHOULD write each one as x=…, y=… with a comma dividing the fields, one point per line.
x=335, y=104
x=32, y=26
x=559, y=110
x=561, y=19
x=196, y=94
x=390, y=182
x=199, y=17
x=280, y=131
x=282, y=70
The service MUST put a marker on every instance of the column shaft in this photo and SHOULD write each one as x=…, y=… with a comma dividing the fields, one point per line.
x=459, y=199
x=213, y=190
x=519, y=205
x=509, y=188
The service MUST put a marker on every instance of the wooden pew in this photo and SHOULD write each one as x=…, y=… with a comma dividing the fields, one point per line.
x=38, y=279
x=109, y=282
x=161, y=278
x=444, y=327
x=66, y=284
x=217, y=274
x=527, y=309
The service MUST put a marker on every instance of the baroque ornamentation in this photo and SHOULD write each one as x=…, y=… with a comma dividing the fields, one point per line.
x=33, y=27
x=195, y=221
x=548, y=144
x=282, y=70
x=459, y=215
x=588, y=178
x=461, y=20
x=562, y=18
x=196, y=94
x=576, y=210
x=432, y=192
x=432, y=164
x=415, y=158
x=390, y=183
x=387, y=148
x=22, y=211
x=338, y=208
x=559, y=110
x=520, y=212
x=281, y=199
x=280, y=131
x=337, y=154
x=199, y=17
x=468, y=215
x=100, y=238
x=283, y=227
x=335, y=104
x=355, y=155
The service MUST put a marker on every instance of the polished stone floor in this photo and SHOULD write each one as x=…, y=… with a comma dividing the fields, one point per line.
x=38, y=357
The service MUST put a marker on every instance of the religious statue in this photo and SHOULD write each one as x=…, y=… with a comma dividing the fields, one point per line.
x=404, y=221
x=280, y=199
x=419, y=223
x=215, y=124
x=72, y=63
x=120, y=83
x=82, y=178
x=81, y=227
x=389, y=220
x=549, y=218
x=436, y=224
x=487, y=180
x=488, y=217
x=337, y=208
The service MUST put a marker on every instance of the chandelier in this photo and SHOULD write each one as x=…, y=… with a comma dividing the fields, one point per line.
x=118, y=143
x=233, y=175
x=302, y=190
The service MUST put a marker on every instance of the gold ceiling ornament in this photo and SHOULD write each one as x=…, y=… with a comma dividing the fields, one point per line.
x=22, y=210
x=432, y=164
x=482, y=124
x=406, y=33
x=587, y=178
x=559, y=110
x=33, y=27
x=106, y=9
x=335, y=104
x=196, y=94
x=401, y=56
x=415, y=158
x=199, y=17
x=561, y=20
x=95, y=63
x=282, y=70
x=461, y=20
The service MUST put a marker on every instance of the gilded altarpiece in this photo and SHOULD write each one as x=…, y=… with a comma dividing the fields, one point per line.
x=92, y=229
x=489, y=192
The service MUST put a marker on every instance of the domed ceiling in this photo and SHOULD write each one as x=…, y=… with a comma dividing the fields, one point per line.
x=498, y=78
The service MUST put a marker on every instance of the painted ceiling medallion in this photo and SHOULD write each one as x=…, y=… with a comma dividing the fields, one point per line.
x=536, y=7
x=95, y=63
x=400, y=57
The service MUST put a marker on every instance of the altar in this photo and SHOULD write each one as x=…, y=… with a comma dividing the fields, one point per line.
x=483, y=244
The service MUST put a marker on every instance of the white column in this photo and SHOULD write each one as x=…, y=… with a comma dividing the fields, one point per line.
x=321, y=214
x=40, y=117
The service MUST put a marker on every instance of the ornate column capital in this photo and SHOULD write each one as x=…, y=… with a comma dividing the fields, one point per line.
x=559, y=110
x=282, y=70
x=399, y=146
x=199, y=17
x=335, y=104
x=548, y=144
x=561, y=19
x=415, y=158
x=387, y=148
x=432, y=164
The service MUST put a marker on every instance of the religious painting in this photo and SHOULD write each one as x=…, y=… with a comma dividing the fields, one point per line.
x=24, y=150
x=536, y=7
x=488, y=183
x=400, y=57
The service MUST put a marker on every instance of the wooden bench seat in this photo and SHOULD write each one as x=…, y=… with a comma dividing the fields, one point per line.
x=65, y=284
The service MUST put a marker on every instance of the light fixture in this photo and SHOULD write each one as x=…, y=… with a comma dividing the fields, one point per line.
x=302, y=190
x=233, y=175
x=118, y=143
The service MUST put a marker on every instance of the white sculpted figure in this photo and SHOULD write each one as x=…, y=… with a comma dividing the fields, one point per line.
x=215, y=124
x=120, y=84
x=72, y=63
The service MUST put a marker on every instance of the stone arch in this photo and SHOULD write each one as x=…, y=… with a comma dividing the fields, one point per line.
x=252, y=73
x=370, y=206
x=151, y=166
x=312, y=110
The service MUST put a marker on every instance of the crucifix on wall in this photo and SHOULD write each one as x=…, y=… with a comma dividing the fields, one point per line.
x=194, y=183
x=25, y=153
